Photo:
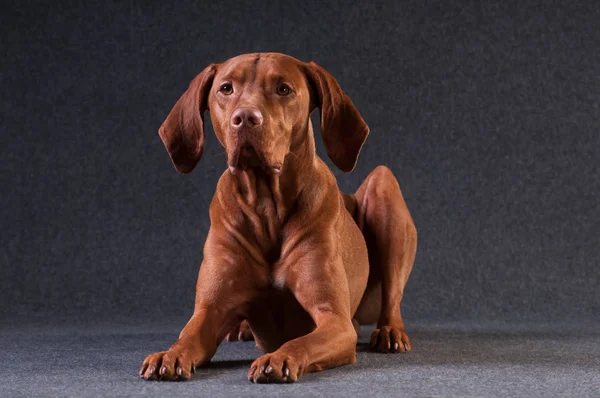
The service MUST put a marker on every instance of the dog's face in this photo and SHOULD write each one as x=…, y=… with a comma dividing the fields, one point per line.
x=258, y=103
x=260, y=106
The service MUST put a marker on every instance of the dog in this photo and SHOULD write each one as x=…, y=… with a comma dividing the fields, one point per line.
x=289, y=260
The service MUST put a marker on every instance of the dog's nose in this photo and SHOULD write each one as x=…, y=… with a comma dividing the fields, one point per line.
x=249, y=117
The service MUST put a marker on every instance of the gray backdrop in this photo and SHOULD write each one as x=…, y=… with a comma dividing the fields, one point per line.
x=487, y=112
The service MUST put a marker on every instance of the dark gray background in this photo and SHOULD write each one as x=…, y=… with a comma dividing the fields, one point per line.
x=487, y=112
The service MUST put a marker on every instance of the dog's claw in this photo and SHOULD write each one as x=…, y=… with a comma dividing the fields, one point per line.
x=276, y=368
x=241, y=332
x=167, y=365
x=390, y=339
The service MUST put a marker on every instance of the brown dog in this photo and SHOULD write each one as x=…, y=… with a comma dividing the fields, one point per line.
x=301, y=262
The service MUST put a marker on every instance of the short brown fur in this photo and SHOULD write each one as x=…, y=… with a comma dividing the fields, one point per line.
x=289, y=260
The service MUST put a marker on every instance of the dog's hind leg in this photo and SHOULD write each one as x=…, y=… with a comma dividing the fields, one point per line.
x=391, y=237
x=241, y=332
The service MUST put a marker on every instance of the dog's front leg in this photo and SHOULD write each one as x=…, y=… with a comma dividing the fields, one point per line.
x=195, y=346
x=222, y=291
x=321, y=287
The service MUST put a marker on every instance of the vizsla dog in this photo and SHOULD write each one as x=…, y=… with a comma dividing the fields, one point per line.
x=289, y=259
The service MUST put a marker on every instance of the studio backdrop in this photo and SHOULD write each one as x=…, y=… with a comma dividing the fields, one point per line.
x=488, y=113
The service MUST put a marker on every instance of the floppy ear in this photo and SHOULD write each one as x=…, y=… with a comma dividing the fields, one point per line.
x=183, y=130
x=343, y=129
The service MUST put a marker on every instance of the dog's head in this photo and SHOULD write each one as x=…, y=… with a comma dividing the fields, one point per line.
x=260, y=106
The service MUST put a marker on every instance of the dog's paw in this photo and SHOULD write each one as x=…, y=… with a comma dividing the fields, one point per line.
x=241, y=332
x=275, y=368
x=390, y=339
x=173, y=365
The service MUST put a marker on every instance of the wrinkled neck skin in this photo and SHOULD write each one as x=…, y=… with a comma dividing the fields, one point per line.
x=267, y=200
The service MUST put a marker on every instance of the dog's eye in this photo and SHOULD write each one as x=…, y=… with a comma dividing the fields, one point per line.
x=227, y=89
x=283, y=89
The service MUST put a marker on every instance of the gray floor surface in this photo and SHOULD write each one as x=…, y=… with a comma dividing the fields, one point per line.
x=447, y=360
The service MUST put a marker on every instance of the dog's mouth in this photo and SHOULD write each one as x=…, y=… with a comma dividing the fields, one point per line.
x=245, y=157
x=247, y=151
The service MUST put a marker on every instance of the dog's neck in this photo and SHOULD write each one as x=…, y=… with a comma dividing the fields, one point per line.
x=268, y=199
